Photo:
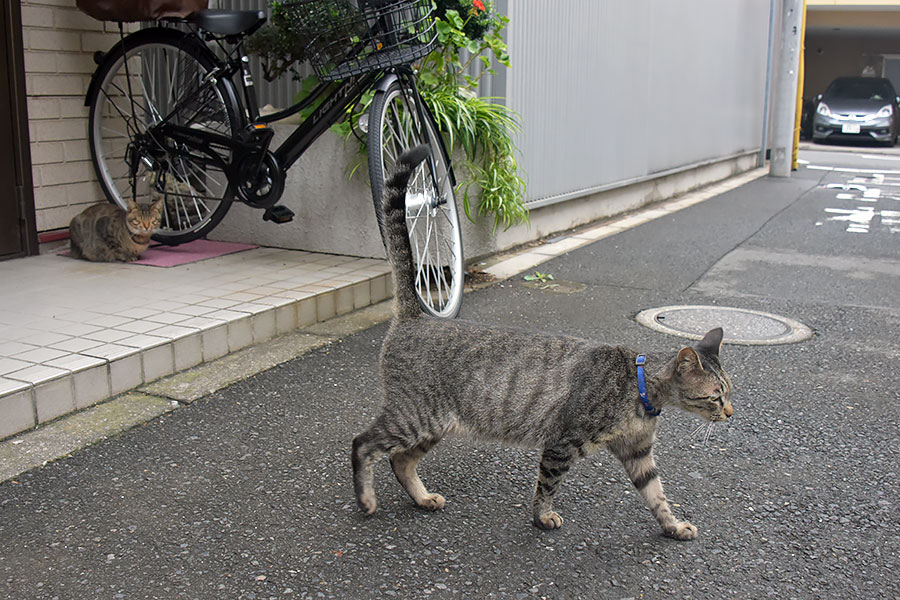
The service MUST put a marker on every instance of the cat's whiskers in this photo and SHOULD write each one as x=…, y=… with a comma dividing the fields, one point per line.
x=695, y=431
x=708, y=432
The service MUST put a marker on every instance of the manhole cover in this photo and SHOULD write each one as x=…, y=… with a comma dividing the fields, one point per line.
x=741, y=326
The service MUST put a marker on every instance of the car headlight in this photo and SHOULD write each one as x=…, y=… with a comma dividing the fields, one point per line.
x=823, y=109
x=885, y=111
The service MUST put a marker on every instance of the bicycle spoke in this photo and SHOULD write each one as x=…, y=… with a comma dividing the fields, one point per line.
x=145, y=87
x=153, y=112
x=430, y=207
x=171, y=94
x=197, y=201
x=126, y=118
x=424, y=260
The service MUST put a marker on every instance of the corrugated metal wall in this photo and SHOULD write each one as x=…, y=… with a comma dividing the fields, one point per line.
x=611, y=92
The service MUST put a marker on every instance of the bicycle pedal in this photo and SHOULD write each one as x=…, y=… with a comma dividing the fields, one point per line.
x=278, y=214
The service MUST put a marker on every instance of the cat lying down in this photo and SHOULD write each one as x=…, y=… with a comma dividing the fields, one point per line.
x=106, y=233
x=563, y=395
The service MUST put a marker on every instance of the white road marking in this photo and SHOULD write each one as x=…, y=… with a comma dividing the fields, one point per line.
x=849, y=170
x=844, y=186
x=878, y=157
x=861, y=188
x=891, y=218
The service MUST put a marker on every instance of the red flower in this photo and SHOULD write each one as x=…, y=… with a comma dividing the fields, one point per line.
x=478, y=4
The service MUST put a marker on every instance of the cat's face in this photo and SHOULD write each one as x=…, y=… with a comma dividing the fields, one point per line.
x=142, y=220
x=702, y=385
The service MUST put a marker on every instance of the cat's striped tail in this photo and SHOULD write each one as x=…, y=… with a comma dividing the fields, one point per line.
x=396, y=234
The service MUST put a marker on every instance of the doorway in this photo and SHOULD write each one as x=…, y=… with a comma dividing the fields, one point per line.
x=18, y=234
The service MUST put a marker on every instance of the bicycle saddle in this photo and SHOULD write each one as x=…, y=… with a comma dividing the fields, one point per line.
x=228, y=22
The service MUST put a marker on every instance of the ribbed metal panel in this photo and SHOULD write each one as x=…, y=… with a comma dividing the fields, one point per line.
x=611, y=92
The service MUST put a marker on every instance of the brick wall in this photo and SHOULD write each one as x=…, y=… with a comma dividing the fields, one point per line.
x=59, y=42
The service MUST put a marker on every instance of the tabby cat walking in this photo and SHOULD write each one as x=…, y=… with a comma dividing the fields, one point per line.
x=563, y=395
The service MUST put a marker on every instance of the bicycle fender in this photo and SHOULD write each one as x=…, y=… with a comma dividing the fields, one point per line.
x=384, y=83
x=92, y=87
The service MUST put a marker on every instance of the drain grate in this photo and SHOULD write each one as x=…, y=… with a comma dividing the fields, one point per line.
x=742, y=326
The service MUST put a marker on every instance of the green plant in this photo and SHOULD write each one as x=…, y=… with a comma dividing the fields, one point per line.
x=469, y=41
x=469, y=26
x=481, y=127
x=279, y=46
x=542, y=278
x=538, y=276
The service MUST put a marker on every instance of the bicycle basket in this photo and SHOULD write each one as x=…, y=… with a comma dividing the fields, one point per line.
x=352, y=37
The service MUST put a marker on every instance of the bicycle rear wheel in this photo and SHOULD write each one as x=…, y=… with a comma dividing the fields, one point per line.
x=153, y=75
x=431, y=215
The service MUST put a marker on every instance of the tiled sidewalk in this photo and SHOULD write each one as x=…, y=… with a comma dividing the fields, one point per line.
x=74, y=333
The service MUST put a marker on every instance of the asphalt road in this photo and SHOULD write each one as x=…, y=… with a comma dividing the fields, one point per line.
x=246, y=494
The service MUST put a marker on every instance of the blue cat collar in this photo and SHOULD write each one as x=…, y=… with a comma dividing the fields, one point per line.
x=642, y=387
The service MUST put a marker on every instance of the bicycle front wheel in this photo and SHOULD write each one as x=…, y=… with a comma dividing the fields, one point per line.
x=157, y=75
x=431, y=215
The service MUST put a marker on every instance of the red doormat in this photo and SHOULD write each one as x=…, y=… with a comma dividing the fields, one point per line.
x=191, y=252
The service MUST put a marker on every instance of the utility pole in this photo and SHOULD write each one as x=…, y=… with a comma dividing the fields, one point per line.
x=786, y=91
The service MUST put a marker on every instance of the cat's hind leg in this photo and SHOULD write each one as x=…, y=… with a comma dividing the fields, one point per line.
x=555, y=463
x=392, y=436
x=368, y=447
x=637, y=458
x=404, y=465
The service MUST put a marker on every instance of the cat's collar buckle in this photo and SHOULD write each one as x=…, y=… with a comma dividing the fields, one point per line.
x=640, y=361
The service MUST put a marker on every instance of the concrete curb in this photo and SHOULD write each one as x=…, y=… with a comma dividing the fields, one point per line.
x=78, y=430
x=24, y=405
x=527, y=259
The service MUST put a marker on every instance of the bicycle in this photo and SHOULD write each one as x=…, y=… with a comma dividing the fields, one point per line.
x=167, y=117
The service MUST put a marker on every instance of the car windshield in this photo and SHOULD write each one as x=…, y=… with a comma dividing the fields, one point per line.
x=868, y=89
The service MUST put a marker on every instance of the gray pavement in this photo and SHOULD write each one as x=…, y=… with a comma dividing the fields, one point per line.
x=245, y=493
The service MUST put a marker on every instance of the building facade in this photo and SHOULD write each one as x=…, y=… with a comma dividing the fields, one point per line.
x=621, y=104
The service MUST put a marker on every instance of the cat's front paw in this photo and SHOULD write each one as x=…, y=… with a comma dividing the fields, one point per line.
x=431, y=502
x=682, y=530
x=548, y=520
x=367, y=502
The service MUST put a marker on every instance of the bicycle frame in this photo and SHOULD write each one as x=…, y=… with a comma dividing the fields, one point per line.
x=340, y=97
x=244, y=155
x=335, y=99
x=199, y=123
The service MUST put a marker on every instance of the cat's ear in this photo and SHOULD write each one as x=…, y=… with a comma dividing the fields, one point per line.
x=712, y=341
x=688, y=360
x=156, y=207
x=130, y=204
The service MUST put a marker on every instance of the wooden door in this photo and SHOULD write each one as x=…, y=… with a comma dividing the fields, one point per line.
x=17, y=228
